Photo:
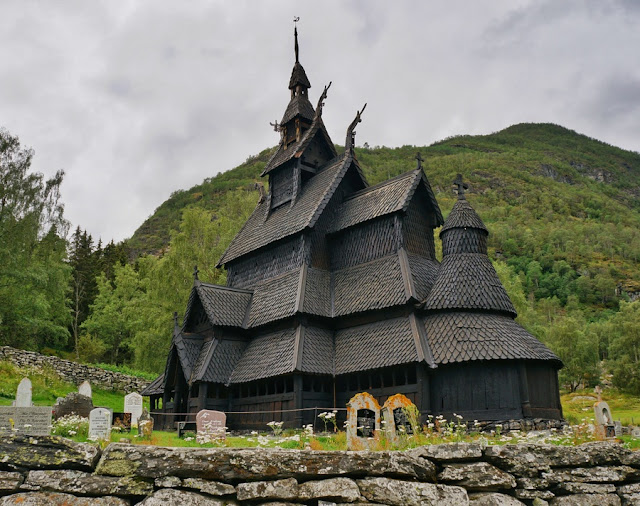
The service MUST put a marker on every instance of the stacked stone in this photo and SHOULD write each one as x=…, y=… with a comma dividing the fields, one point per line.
x=74, y=372
x=53, y=470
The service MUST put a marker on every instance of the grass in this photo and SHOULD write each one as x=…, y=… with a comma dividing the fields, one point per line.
x=48, y=386
x=577, y=407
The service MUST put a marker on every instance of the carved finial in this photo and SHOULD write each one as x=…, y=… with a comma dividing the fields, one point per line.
x=263, y=194
x=195, y=272
x=420, y=160
x=350, y=142
x=295, y=35
x=175, y=318
x=321, y=100
x=276, y=126
x=461, y=186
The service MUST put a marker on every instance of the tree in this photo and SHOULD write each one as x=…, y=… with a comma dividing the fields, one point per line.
x=33, y=276
x=623, y=329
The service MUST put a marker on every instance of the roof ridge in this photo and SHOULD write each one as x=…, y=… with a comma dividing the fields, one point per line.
x=227, y=288
x=378, y=186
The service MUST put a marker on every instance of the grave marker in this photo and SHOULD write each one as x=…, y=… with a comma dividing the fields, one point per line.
x=133, y=405
x=73, y=404
x=100, y=424
x=31, y=421
x=145, y=424
x=363, y=420
x=23, y=394
x=604, y=419
x=394, y=414
x=85, y=389
x=211, y=424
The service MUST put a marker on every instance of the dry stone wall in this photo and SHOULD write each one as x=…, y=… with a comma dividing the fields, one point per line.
x=53, y=470
x=74, y=372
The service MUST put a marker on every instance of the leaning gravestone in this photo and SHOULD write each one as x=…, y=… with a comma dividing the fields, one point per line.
x=133, y=405
x=23, y=394
x=363, y=420
x=100, y=424
x=395, y=415
x=73, y=404
x=85, y=389
x=145, y=424
x=211, y=424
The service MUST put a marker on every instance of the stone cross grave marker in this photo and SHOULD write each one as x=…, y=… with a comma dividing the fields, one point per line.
x=363, y=419
x=604, y=419
x=133, y=405
x=85, y=389
x=211, y=424
x=394, y=414
x=23, y=394
x=31, y=421
x=100, y=423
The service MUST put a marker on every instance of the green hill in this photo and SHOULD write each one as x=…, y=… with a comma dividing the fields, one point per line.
x=563, y=209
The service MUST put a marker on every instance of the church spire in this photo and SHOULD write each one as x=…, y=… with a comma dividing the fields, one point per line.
x=295, y=36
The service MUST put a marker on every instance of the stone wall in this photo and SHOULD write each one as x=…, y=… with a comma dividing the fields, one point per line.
x=74, y=372
x=53, y=470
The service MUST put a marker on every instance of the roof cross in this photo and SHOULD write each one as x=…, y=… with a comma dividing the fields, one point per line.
x=461, y=186
x=195, y=272
x=420, y=160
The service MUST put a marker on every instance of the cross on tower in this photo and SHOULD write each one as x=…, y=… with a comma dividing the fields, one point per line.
x=195, y=272
x=420, y=160
x=461, y=186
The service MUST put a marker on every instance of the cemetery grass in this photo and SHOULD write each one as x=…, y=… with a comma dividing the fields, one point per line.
x=577, y=407
x=47, y=387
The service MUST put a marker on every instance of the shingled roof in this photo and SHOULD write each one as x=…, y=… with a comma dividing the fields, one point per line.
x=266, y=356
x=462, y=336
x=187, y=348
x=385, y=198
x=274, y=299
x=219, y=360
x=285, y=221
x=298, y=76
x=224, y=306
x=318, y=353
x=468, y=281
x=375, y=345
x=298, y=106
x=156, y=387
x=463, y=216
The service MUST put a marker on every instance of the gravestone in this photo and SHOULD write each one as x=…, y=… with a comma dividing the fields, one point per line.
x=100, y=424
x=604, y=420
x=73, y=404
x=145, y=424
x=394, y=414
x=133, y=405
x=363, y=420
x=31, y=421
x=23, y=394
x=211, y=424
x=85, y=389
x=636, y=433
x=617, y=428
x=122, y=420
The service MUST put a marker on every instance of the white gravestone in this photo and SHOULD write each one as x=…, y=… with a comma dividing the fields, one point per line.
x=211, y=424
x=23, y=394
x=100, y=423
x=133, y=405
x=85, y=389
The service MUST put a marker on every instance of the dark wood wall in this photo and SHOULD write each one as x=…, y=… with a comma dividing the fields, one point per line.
x=544, y=395
x=477, y=391
x=417, y=227
x=281, y=185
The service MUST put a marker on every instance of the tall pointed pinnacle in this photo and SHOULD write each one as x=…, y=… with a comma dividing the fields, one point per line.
x=419, y=159
x=295, y=36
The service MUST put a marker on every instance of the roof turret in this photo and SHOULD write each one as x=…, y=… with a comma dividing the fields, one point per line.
x=467, y=279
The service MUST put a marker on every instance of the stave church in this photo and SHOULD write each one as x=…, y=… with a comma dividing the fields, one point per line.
x=334, y=288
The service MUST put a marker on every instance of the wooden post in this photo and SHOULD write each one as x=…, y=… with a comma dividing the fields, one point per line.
x=297, y=400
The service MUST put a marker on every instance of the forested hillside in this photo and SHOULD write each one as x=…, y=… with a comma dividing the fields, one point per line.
x=563, y=211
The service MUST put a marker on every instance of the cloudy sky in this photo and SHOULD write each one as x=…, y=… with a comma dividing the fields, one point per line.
x=136, y=99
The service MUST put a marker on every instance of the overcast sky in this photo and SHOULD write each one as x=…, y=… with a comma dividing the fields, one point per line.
x=137, y=99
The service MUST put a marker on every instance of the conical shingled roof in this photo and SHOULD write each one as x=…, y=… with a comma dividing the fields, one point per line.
x=467, y=279
x=299, y=76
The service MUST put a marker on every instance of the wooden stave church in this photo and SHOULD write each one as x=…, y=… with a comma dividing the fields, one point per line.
x=333, y=288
